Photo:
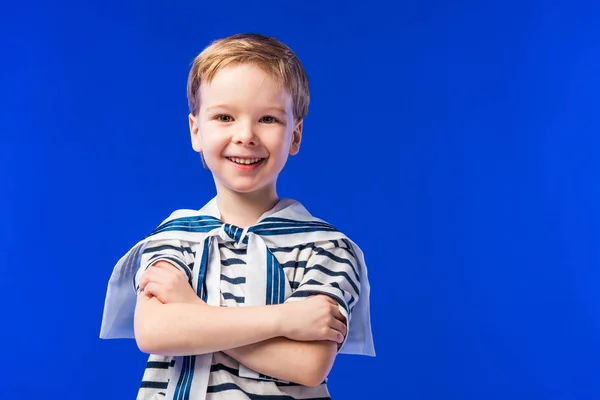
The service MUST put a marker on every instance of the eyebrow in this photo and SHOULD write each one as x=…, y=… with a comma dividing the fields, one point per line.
x=278, y=109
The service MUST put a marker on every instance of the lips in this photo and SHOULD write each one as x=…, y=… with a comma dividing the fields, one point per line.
x=245, y=161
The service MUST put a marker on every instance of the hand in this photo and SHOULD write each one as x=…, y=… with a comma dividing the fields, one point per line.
x=168, y=284
x=316, y=318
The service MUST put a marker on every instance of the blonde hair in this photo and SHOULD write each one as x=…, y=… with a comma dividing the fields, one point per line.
x=266, y=52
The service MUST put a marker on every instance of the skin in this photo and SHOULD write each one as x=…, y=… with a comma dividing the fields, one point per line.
x=243, y=113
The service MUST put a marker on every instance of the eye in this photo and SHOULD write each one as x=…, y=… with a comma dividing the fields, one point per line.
x=269, y=120
x=223, y=118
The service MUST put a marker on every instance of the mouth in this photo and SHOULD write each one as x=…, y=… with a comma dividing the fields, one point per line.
x=245, y=161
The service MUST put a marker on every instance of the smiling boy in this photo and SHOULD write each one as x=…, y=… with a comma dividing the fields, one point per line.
x=251, y=296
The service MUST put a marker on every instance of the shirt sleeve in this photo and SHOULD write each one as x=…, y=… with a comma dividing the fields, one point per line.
x=178, y=253
x=331, y=270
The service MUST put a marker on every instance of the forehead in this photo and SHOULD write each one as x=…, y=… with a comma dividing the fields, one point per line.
x=244, y=85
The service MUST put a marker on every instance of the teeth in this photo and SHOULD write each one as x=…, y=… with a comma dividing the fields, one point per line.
x=245, y=161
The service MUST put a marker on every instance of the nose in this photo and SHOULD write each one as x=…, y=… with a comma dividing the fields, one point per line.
x=244, y=135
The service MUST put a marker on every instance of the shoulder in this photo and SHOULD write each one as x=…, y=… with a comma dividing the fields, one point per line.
x=185, y=221
x=341, y=244
x=182, y=213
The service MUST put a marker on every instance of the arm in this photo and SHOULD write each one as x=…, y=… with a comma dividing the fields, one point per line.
x=170, y=319
x=188, y=326
x=305, y=363
x=197, y=328
x=330, y=270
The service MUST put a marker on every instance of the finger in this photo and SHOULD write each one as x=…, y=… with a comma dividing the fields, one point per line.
x=323, y=297
x=142, y=295
x=158, y=275
x=147, y=278
x=337, y=314
x=149, y=288
x=335, y=336
x=170, y=273
x=168, y=267
x=153, y=289
x=339, y=326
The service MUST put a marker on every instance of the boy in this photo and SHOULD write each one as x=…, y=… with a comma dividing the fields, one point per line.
x=251, y=296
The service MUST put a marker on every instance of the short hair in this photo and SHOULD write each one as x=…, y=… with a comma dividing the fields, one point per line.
x=268, y=53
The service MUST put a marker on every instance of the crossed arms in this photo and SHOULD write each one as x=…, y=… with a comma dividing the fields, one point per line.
x=296, y=341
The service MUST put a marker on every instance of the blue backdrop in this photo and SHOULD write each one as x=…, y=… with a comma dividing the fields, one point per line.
x=456, y=142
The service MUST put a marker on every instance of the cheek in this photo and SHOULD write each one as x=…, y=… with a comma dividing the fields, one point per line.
x=278, y=142
x=212, y=141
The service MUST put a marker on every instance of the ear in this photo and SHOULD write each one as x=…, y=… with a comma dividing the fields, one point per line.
x=296, y=138
x=195, y=133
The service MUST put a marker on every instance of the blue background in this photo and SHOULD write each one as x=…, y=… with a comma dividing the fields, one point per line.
x=456, y=142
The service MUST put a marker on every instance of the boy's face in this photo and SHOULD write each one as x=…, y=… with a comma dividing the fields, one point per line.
x=245, y=128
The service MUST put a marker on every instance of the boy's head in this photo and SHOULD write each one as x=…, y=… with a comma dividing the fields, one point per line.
x=268, y=53
x=248, y=95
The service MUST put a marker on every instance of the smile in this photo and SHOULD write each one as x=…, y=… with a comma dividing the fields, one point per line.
x=245, y=161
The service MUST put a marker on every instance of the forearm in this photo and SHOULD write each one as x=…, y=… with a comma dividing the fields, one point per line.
x=190, y=329
x=306, y=363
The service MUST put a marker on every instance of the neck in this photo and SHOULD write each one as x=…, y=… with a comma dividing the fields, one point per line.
x=244, y=209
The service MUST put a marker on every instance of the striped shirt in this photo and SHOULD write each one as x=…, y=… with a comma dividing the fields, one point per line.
x=313, y=268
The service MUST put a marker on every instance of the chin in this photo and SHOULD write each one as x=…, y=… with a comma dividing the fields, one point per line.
x=245, y=188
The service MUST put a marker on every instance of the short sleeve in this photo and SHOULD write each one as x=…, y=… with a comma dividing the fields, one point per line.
x=180, y=254
x=331, y=270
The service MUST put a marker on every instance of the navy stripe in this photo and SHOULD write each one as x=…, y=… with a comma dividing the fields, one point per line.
x=233, y=250
x=322, y=252
x=269, y=278
x=293, y=222
x=316, y=283
x=351, y=302
x=154, y=385
x=289, y=231
x=188, y=386
x=232, y=261
x=190, y=229
x=329, y=272
x=158, y=364
x=276, y=277
x=189, y=224
x=190, y=221
x=266, y=377
x=182, y=376
x=309, y=293
x=282, y=280
x=233, y=232
x=232, y=386
x=289, y=249
x=313, y=282
x=201, y=288
x=169, y=247
x=294, y=264
x=231, y=296
x=194, y=219
x=234, y=281
x=184, y=266
x=222, y=367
